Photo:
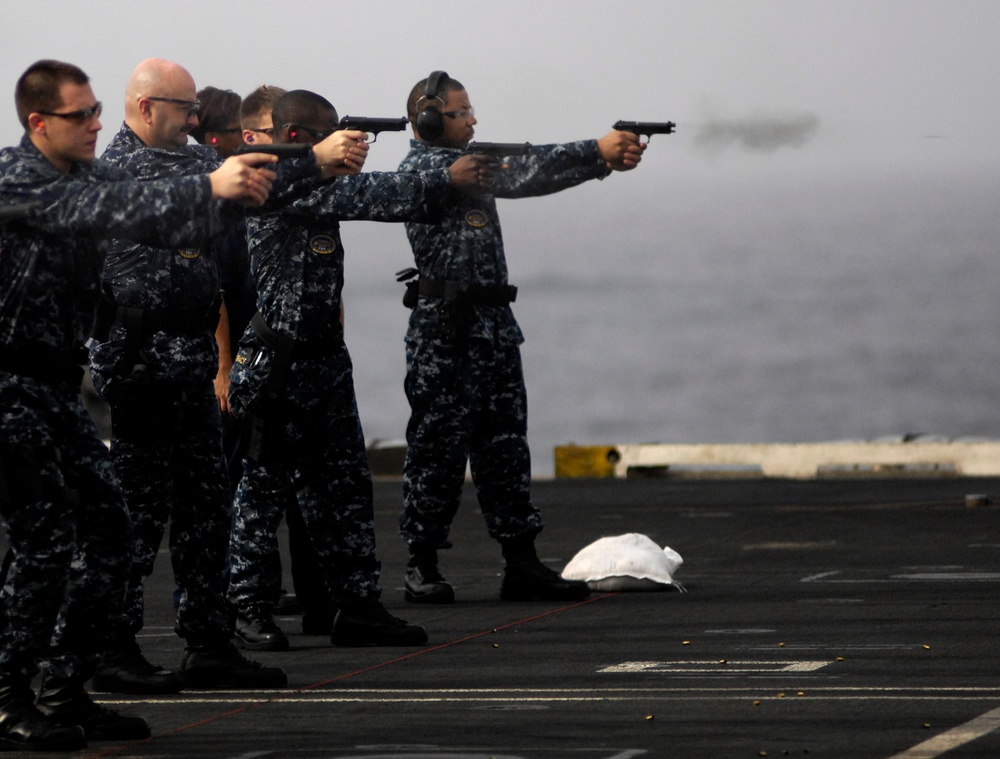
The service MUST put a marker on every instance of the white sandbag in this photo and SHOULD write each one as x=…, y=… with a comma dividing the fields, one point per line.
x=625, y=562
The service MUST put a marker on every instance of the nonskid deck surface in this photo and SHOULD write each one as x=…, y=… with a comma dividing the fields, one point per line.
x=839, y=618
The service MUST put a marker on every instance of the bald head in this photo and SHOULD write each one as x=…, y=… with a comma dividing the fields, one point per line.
x=160, y=103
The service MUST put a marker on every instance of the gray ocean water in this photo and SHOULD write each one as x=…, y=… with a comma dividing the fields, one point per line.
x=847, y=309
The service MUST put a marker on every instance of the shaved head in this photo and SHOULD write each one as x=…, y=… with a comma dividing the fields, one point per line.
x=156, y=77
x=160, y=103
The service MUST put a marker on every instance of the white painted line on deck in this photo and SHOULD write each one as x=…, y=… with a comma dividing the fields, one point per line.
x=957, y=736
x=832, y=579
x=875, y=647
x=715, y=667
x=442, y=752
x=950, y=576
x=820, y=576
x=630, y=694
x=742, y=631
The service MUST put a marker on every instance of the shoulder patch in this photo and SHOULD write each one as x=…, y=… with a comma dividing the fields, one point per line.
x=322, y=245
x=477, y=219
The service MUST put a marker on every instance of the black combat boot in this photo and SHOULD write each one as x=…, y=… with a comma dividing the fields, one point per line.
x=318, y=622
x=125, y=670
x=209, y=666
x=24, y=728
x=525, y=578
x=367, y=623
x=423, y=583
x=256, y=629
x=67, y=704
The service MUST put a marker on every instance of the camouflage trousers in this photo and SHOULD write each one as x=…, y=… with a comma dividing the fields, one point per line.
x=167, y=449
x=67, y=533
x=315, y=453
x=467, y=405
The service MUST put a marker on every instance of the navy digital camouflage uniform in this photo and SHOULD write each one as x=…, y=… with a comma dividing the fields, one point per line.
x=312, y=441
x=64, y=515
x=241, y=303
x=166, y=437
x=466, y=391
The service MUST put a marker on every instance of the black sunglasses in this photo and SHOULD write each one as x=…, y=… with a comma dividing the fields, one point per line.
x=317, y=134
x=192, y=106
x=79, y=117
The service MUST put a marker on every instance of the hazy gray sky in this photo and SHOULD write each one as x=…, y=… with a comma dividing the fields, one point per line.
x=800, y=123
x=881, y=81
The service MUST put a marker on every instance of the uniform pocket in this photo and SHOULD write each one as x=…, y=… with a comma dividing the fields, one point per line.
x=247, y=379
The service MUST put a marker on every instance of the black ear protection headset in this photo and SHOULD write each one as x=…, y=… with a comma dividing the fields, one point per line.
x=430, y=122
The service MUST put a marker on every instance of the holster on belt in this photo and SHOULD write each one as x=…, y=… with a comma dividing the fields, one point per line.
x=457, y=299
x=285, y=350
x=281, y=347
x=140, y=323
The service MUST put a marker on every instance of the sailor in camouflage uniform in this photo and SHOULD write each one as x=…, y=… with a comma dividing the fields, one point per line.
x=255, y=632
x=464, y=379
x=155, y=363
x=293, y=379
x=65, y=519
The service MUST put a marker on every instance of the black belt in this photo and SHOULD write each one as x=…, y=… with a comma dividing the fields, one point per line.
x=181, y=320
x=141, y=322
x=149, y=320
x=488, y=295
x=286, y=351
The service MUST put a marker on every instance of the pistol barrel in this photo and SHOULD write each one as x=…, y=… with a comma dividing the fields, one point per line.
x=648, y=128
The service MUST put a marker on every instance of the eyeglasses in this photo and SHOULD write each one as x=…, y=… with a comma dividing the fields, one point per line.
x=463, y=114
x=265, y=130
x=78, y=117
x=192, y=106
x=317, y=134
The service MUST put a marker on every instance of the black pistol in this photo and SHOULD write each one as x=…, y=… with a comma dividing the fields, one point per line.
x=282, y=150
x=647, y=128
x=372, y=126
x=498, y=149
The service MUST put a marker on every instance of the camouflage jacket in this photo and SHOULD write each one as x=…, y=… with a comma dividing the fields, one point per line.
x=50, y=264
x=161, y=277
x=296, y=254
x=467, y=245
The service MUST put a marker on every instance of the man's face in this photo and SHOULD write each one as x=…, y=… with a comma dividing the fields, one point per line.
x=71, y=139
x=261, y=133
x=458, y=119
x=310, y=131
x=173, y=114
